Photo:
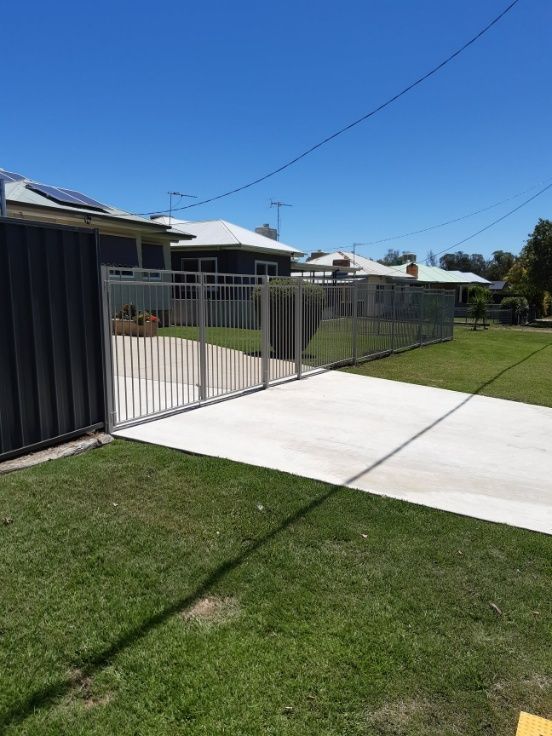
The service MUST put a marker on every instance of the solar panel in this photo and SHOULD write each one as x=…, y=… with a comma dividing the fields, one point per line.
x=10, y=176
x=66, y=196
x=84, y=198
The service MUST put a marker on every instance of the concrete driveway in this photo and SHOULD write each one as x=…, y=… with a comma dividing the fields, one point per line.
x=473, y=455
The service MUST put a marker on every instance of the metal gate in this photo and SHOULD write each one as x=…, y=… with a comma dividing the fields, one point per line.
x=178, y=340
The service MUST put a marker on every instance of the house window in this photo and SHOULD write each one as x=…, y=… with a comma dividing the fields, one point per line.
x=199, y=265
x=153, y=256
x=266, y=268
x=118, y=251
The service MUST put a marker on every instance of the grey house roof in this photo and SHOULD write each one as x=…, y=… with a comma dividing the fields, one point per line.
x=221, y=233
x=21, y=192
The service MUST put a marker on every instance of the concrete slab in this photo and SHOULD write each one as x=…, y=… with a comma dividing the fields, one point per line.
x=473, y=455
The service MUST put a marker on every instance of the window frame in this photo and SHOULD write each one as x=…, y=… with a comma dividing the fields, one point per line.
x=265, y=264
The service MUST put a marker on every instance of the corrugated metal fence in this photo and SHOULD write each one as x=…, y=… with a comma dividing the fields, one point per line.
x=225, y=334
x=51, y=364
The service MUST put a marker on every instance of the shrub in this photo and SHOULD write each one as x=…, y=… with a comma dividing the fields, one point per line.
x=479, y=299
x=282, y=298
x=519, y=306
x=129, y=312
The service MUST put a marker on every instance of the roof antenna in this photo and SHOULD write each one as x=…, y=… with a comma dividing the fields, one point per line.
x=278, y=204
x=179, y=195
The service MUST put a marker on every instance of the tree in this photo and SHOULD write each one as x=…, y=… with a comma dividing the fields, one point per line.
x=498, y=266
x=461, y=261
x=431, y=258
x=391, y=258
x=531, y=275
x=479, y=300
x=458, y=261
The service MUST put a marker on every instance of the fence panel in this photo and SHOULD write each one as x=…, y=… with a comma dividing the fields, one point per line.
x=224, y=333
x=51, y=367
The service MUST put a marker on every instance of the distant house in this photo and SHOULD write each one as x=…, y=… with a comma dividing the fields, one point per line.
x=222, y=247
x=341, y=264
x=125, y=240
x=439, y=278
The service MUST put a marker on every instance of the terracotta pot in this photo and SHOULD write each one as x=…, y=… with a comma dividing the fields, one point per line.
x=129, y=327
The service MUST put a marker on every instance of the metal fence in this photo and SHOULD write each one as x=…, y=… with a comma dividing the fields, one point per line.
x=218, y=335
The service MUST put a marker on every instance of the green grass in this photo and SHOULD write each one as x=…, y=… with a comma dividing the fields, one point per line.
x=508, y=363
x=226, y=337
x=331, y=343
x=342, y=613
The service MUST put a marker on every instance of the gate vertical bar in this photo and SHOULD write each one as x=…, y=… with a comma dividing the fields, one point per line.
x=354, y=326
x=299, y=307
x=421, y=318
x=265, y=331
x=108, y=348
x=393, y=318
x=202, y=340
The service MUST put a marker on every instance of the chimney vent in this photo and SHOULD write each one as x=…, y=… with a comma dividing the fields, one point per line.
x=412, y=269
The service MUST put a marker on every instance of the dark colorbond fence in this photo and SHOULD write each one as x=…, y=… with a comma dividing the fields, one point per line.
x=51, y=363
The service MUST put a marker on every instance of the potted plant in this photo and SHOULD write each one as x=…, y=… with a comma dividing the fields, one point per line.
x=283, y=300
x=128, y=321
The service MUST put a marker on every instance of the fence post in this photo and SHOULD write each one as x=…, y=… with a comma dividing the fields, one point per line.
x=202, y=340
x=421, y=317
x=299, y=308
x=109, y=378
x=265, y=331
x=393, y=318
x=354, y=326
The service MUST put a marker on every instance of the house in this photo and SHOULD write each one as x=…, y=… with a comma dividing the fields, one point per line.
x=125, y=241
x=343, y=264
x=433, y=277
x=222, y=247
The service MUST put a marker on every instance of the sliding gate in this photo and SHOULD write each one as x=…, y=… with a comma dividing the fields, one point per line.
x=177, y=340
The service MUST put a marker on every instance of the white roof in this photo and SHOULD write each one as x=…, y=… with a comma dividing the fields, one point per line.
x=436, y=275
x=210, y=233
x=362, y=265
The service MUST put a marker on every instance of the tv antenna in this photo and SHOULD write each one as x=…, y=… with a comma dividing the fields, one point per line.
x=179, y=195
x=357, y=245
x=278, y=205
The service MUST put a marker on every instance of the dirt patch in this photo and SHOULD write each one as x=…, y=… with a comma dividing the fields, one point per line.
x=532, y=694
x=413, y=716
x=82, y=690
x=212, y=610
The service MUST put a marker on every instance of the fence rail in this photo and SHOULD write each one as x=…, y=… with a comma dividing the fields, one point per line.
x=179, y=339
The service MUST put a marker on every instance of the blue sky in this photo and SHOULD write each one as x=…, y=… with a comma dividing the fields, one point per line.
x=126, y=101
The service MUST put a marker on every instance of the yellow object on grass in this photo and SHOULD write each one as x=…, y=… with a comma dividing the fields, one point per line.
x=529, y=725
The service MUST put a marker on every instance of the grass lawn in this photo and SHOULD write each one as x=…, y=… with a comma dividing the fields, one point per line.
x=149, y=592
x=508, y=363
x=332, y=342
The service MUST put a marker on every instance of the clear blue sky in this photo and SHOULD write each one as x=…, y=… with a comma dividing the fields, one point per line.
x=126, y=101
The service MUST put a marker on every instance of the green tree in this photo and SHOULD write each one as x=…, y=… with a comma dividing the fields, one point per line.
x=391, y=258
x=531, y=274
x=479, y=300
x=460, y=261
x=498, y=266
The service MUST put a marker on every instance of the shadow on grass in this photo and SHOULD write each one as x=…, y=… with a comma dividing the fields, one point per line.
x=49, y=695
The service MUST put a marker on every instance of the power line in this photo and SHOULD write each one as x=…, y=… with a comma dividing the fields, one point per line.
x=348, y=127
x=493, y=223
x=450, y=222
